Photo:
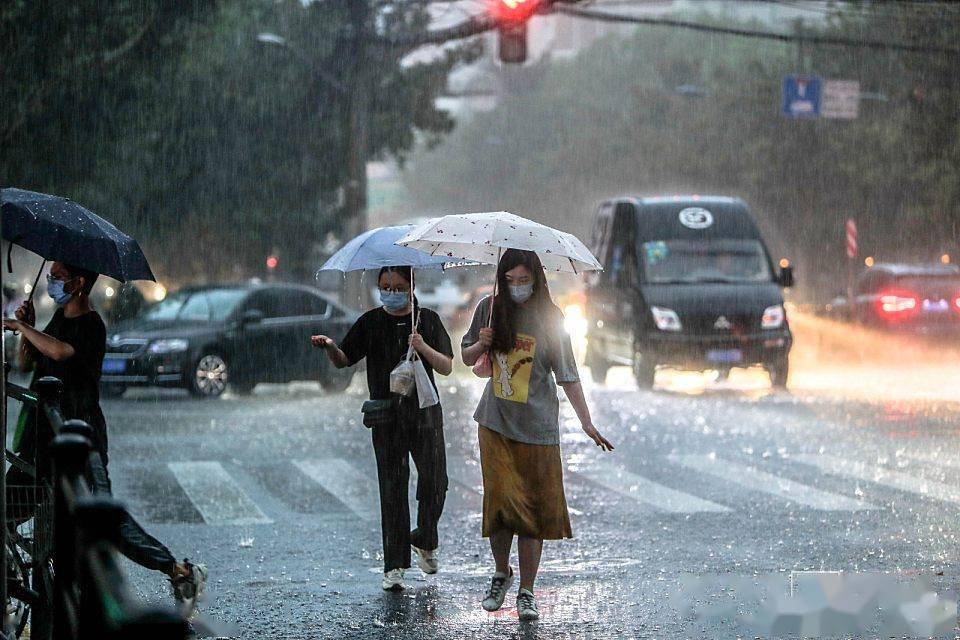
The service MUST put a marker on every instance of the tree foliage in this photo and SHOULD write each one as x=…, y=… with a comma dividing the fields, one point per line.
x=666, y=111
x=214, y=148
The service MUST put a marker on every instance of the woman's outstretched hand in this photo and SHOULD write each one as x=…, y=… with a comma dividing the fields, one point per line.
x=595, y=435
x=322, y=342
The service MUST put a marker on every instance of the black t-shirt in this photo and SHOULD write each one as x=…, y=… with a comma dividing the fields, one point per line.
x=383, y=340
x=80, y=373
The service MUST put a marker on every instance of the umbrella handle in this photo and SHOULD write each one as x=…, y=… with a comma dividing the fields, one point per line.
x=496, y=281
x=37, y=280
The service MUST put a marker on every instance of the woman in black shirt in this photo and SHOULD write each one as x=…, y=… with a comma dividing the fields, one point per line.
x=383, y=336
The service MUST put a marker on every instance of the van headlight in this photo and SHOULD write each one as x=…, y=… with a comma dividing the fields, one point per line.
x=773, y=317
x=168, y=346
x=666, y=319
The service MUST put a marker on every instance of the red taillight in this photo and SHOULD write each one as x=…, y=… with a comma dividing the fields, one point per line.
x=956, y=303
x=896, y=305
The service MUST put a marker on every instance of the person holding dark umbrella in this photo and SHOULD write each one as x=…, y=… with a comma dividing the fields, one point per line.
x=71, y=348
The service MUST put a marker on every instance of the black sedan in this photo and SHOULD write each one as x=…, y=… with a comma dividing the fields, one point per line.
x=206, y=338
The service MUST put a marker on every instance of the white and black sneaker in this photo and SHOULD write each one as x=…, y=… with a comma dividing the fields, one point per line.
x=188, y=589
x=499, y=585
x=527, y=606
x=428, y=561
x=393, y=580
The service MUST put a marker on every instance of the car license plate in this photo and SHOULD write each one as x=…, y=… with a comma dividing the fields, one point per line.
x=724, y=355
x=114, y=365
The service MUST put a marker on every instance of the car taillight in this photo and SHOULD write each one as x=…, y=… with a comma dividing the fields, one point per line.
x=956, y=303
x=898, y=305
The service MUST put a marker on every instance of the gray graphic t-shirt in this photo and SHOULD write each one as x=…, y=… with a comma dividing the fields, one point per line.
x=520, y=400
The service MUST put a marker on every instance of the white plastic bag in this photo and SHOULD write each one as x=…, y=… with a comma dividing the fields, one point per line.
x=402, y=378
x=426, y=393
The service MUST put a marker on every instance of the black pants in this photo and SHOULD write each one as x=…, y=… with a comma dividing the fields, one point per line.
x=135, y=543
x=417, y=433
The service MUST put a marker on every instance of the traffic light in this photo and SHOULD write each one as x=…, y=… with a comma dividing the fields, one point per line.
x=511, y=17
x=272, y=262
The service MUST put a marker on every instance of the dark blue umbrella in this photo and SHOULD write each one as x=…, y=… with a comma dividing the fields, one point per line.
x=61, y=230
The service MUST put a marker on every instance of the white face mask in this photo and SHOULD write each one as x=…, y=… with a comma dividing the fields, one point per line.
x=520, y=293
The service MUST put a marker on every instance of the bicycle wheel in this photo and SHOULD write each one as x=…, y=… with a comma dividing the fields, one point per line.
x=20, y=596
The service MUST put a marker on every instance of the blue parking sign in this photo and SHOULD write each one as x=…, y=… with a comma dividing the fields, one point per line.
x=801, y=96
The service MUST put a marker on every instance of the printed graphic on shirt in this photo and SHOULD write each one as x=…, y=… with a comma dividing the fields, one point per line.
x=511, y=371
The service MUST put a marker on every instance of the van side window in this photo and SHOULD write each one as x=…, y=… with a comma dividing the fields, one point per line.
x=622, y=259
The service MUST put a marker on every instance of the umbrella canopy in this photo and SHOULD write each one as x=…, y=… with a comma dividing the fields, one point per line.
x=482, y=237
x=377, y=248
x=59, y=229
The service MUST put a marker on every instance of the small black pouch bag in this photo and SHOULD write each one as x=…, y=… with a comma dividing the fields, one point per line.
x=379, y=413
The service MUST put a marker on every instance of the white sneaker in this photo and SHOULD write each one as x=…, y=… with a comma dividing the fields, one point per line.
x=527, y=606
x=499, y=585
x=393, y=580
x=428, y=561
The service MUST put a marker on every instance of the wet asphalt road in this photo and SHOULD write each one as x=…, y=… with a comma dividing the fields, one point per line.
x=276, y=493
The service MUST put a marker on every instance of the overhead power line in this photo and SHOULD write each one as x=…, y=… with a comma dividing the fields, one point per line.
x=606, y=16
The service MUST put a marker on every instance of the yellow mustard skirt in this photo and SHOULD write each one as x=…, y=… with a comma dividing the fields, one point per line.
x=522, y=488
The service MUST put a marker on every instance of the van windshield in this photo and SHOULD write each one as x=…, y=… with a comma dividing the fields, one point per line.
x=715, y=260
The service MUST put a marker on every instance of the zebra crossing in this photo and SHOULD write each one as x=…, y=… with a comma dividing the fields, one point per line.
x=217, y=492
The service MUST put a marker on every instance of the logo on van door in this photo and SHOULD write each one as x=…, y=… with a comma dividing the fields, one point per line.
x=696, y=218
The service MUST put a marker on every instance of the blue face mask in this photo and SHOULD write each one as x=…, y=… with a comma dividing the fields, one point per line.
x=56, y=292
x=395, y=301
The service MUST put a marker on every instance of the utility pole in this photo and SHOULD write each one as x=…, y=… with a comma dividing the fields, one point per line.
x=354, y=215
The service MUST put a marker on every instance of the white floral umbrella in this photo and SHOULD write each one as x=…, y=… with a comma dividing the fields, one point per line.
x=482, y=237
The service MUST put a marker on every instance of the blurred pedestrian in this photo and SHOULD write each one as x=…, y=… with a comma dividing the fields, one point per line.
x=518, y=418
x=71, y=348
x=400, y=428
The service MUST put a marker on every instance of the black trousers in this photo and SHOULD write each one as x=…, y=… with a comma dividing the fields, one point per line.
x=417, y=433
x=135, y=542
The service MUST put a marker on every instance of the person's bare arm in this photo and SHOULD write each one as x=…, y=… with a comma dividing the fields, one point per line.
x=336, y=355
x=471, y=354
x=574, y=391
x=441, y=363
x=47, y=345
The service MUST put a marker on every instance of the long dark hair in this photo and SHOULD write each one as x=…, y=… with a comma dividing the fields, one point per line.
x=505, y=309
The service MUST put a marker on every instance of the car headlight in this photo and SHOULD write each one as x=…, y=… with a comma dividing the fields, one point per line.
x=168, y=346
x=773, y=317
x=666, y=319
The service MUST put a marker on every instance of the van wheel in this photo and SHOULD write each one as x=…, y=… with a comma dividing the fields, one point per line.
x=597, y=364
x=779, y=371
x=644, y=370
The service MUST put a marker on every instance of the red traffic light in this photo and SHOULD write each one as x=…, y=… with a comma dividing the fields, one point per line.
x=272, y=262
x=513, y=10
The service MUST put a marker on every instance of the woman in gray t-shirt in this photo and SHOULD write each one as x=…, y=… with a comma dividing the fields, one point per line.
x=519, y=422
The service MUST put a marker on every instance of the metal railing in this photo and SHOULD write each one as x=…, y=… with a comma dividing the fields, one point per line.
x=78, y=589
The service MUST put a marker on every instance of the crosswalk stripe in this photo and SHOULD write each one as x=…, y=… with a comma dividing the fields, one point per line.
x=647, y=491
x=357, y=491
x=757, y=480
x=215, y=495
x=882, y=476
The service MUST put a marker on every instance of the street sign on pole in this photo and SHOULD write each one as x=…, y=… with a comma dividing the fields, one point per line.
x=840, y=99
x=801, y=96
x=851, y=228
